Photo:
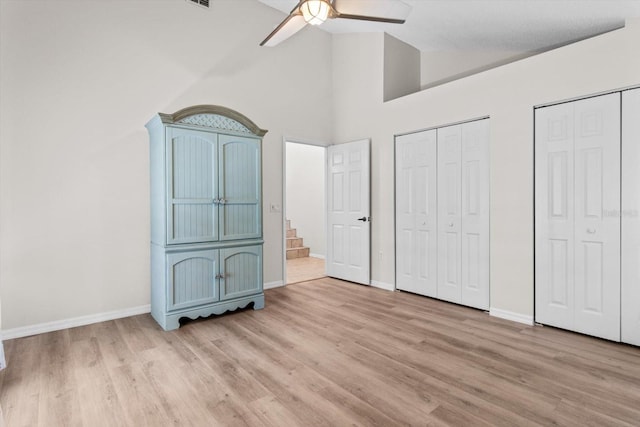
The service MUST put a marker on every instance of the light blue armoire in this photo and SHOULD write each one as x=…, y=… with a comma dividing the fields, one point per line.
x=206, y=213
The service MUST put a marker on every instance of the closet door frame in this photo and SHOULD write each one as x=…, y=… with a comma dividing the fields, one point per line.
x=474, y=278
x=575, y=217
x=630, y=216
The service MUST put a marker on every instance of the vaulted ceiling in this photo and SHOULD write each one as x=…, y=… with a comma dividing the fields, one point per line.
x=492, y=25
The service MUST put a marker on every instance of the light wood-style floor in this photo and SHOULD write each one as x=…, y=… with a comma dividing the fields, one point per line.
x=322, y=353
x=304, y=269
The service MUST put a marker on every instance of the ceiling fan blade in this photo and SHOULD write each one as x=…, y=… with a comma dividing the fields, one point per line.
x=291, y=25
x=370, y=18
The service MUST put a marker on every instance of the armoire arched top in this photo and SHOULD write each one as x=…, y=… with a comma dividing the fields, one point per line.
x=215, y=117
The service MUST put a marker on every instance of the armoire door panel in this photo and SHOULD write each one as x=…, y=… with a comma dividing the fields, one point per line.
x=630, y=214
x=239, y=189
x=192, y=186
x=416, y=241
x=192, y=279
x=554, y=215
x=241, y=271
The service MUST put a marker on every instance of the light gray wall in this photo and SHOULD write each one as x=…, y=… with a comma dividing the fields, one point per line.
x=507, y=94
x=79, y=80
x=401, y=68
x=438, y=67
x=306, y=194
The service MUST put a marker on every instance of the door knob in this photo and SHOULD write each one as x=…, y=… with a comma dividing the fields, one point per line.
x=450, y=224
x=363, y=219
x=591, y=230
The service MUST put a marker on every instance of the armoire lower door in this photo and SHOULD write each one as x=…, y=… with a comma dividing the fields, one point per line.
x=577, y=220
x=416, y=233
x=630, y=307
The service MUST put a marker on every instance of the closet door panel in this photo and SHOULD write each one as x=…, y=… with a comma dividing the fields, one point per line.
x=597, y=216
x=416, y=245
x=630, y=315
x=475, y=214
x=449, y=213
x=554, y=215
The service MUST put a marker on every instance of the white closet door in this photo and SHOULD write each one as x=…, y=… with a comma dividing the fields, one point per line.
x=597, y=216
x=554, y=216
x=577, y=222
x=630, y=316
x=474, y=262
x=449, y=213
x=416, y=235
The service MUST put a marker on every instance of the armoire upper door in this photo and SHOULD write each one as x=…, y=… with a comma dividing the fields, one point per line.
x=416, y=213
x=577, y=224
x=240, y=188
x=449, y=213
x=630, y=307
x=192, y=185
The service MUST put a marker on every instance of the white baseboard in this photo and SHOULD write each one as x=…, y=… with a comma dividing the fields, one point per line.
x=510, y=315
x=382, y=285
x=58, y=325
x=317, y=256
x=271, y=285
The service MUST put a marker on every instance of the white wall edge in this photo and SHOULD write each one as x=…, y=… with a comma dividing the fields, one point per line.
x=382, y=285
x=271, y=285
x=317, y=256
x=510, y=315
x=58, y=325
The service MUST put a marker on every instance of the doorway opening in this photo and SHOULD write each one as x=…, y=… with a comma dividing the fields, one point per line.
x=305, y=212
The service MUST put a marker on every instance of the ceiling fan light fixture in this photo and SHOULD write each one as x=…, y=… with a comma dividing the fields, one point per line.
x=315, y=12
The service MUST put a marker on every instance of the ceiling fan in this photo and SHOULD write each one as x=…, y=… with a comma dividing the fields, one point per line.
x=315, y=12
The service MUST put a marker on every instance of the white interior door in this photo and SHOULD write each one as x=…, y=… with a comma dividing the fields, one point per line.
x=416, y=218
x=577, y=216
x=630, y=314
x=449, y=213
x=554, y=216
x=474, y=262
x=348, y=216
x=597, y=216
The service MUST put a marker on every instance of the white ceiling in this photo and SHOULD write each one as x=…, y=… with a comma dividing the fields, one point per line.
x=492, y=25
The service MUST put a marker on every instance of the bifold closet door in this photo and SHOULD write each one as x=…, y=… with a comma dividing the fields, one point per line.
x=416, y=235
x=630, y=315
x=463, y=213
x=577, y=216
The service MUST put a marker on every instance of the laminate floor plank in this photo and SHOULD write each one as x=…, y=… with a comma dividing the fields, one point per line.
x=322, y=353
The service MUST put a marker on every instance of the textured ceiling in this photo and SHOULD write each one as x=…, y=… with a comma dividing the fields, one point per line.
x=492, y=25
